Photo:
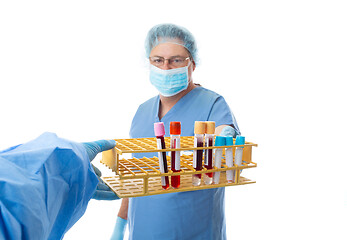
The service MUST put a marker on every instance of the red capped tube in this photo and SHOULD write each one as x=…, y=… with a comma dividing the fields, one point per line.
x=175, y=137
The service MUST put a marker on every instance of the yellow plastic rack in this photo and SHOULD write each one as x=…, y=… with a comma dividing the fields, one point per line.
x=137, y=177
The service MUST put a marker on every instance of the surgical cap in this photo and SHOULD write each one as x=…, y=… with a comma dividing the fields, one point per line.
x=170, y=33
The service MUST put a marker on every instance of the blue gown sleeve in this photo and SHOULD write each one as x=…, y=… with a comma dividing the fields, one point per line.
x=222, y=115
x=45, y=186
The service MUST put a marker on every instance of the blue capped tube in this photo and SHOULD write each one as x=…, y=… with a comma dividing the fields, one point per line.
x=240, y=140
x=229, y=159
x=219, y=141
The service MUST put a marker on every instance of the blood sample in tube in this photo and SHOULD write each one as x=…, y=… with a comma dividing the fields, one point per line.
x=199, y=131
x=159, y=131
x=175, y=137
x=209, y=137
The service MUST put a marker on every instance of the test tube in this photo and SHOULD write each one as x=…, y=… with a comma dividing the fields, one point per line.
x=240, y=140
x=159, y=131
x=175, y=132
x=220, y=141
x=209, y=136
x=229, y=159
x=199, y=131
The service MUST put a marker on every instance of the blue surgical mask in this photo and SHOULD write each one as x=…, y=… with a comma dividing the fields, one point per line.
x=169, y=82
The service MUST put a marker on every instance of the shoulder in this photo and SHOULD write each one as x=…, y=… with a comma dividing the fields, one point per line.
x=144, y=117
x=206, y=96
x=206, y=92
x=148, y=107
x=149, y=103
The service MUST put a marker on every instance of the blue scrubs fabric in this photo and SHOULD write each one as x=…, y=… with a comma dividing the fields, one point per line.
x=184, y=215
x=45, y=186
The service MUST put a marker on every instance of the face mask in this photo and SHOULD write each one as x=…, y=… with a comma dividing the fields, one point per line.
x=169, y=82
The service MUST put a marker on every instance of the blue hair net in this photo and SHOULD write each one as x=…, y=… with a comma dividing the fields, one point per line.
x=170, y=33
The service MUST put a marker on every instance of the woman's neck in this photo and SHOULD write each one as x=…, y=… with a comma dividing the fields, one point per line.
x=166, y=103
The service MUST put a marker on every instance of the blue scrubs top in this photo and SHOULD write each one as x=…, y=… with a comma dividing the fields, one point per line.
x=45, y=186
x=183, y=215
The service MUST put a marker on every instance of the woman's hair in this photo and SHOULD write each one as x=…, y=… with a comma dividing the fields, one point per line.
x=171, y=33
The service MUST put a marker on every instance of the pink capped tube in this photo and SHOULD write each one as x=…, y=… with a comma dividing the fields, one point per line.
x=159, y=131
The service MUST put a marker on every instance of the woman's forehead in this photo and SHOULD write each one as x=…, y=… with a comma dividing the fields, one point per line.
x=168, y=49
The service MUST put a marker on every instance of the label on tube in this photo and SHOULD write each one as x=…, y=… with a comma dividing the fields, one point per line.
x=178, y=155
x=160, y=155
x=195, y=155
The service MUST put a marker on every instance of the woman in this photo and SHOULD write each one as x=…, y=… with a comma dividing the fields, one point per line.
x=172, y=54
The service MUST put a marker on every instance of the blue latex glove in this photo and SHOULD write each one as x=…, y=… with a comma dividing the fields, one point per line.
x=228, y=131
x=93, y=148
x=103, y=192
x=118, y=232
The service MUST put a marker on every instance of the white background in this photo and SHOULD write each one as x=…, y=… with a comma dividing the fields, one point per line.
x=77, y=68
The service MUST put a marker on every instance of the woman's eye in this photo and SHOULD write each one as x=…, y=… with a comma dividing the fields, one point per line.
x=177, y=60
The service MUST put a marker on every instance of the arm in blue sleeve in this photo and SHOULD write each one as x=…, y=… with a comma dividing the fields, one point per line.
x=45, y=187
x=222, y=115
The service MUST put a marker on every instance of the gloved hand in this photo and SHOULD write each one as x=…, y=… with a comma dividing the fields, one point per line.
x=103, y=192
x=119, y=229
x=93, y=148
x=228, y=131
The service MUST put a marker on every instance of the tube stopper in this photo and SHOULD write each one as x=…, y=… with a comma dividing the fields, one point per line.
x=199, y=127
x=240, y=140
x=159, y=129
x=220, y=141
x=210, y=127
x=175, y=128
x=229, y=141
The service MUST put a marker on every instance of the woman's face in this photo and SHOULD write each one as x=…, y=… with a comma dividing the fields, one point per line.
x=169, y=50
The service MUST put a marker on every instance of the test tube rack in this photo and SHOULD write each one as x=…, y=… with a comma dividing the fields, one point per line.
x=136, y=177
